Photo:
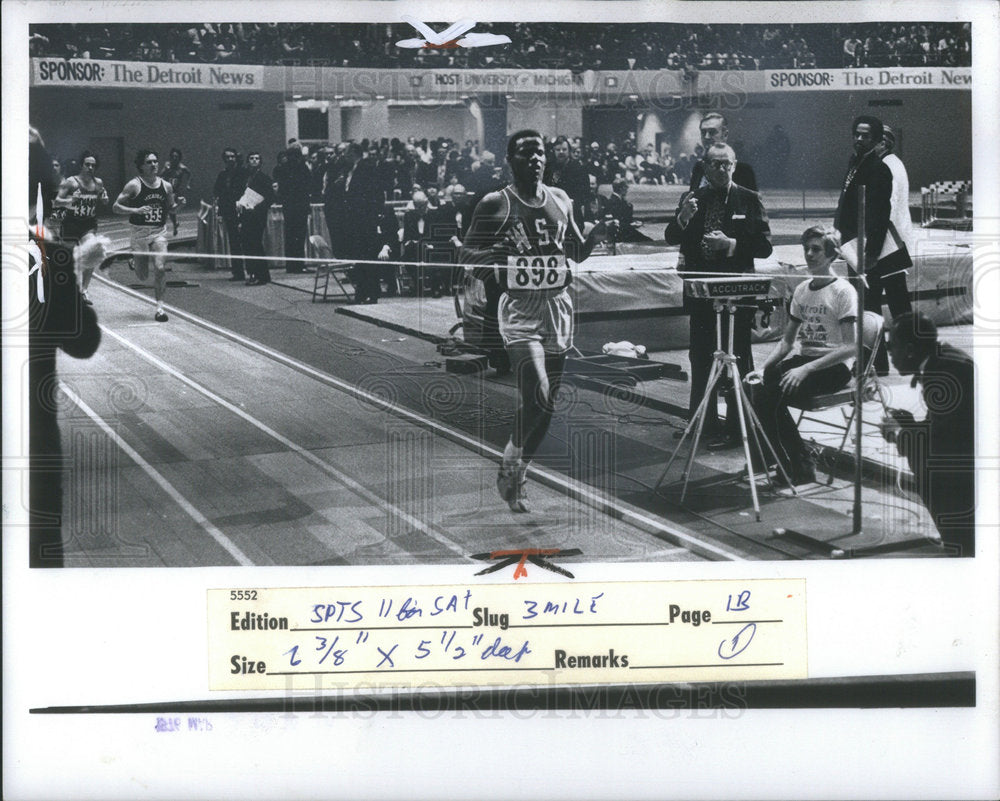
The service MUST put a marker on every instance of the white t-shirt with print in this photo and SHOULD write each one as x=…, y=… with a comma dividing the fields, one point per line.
x=821, y=311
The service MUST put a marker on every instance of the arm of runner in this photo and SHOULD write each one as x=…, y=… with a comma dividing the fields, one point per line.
x=578, y=247
x=129, y=191
x=173, y=203
x=482, y=245
x=64, y=199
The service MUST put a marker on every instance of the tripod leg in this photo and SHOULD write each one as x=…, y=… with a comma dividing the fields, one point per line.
x=693, y=423
x=713, y=380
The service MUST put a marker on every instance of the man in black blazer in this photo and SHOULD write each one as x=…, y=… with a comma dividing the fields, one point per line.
x=449, y=225
x=353, y=211
x=886, y=260
x=721, y=228
x=294, y=188
x=570, y=176
x=940, y=448
x=715, y=131
x=419, y=242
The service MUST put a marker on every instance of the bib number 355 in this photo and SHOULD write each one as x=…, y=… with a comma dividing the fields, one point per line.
x=537, y=272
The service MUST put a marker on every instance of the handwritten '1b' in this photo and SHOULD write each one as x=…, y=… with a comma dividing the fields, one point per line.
x=742, y=602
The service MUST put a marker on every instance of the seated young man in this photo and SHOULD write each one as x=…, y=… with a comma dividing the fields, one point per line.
x=822, y=317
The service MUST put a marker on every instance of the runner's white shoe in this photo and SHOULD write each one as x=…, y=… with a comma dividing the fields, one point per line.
x=507, y=483
x=519, y=500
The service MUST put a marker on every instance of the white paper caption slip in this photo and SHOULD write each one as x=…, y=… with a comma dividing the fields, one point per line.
x=440, y=636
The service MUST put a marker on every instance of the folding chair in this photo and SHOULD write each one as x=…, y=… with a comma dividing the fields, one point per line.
x=873, y=390
x=942, y=195
x=339, y=271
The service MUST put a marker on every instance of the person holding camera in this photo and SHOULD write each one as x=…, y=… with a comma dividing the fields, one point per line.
x=940, y=449
x=721, y=228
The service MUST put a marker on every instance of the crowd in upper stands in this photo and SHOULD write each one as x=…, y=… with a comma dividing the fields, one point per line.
x=534, y=45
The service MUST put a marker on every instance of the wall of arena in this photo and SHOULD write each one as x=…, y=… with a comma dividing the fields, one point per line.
x=115, y=108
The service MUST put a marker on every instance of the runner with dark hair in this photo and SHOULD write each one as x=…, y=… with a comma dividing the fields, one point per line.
x=522, y=231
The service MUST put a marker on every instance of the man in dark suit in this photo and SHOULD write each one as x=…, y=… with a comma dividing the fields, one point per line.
x=449, y=224
x=721, y=228
x=715, y=131
x=252, y=209
x=568, y=175
x=594, y=163
x=594, y=206
x=388, y=242
x=622, y=212
x=229, y=186
x=353, y=210
x=941, y=448
x=418, y=242
x=294, y=195
x=886, y=257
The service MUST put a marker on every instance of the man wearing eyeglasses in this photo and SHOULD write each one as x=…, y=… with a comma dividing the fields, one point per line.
x=721, y=228
x=147, y=200
x=715, y=131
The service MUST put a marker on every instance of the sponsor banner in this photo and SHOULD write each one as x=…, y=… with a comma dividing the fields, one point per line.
x=430, y=84
x=151, y=75
x=868, y=78
x=606, y=87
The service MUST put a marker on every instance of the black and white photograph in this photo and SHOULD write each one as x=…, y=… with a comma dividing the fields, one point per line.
x=386, y=294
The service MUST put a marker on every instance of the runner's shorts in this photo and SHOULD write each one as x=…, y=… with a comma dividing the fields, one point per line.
x=544, y=316
x=144, y=236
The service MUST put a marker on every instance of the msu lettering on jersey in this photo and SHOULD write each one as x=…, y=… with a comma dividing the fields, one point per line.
x=156, y=199
x=538, y=233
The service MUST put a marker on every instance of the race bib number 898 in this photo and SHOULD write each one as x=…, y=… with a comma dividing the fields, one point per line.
x=536, y=272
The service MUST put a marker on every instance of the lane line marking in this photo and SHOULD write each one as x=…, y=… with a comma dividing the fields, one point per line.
x=357, y=488
x=613, y=507
x=164, y=484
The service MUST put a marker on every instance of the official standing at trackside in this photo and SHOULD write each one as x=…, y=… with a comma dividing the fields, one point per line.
x=229, y=186
x=886, y=256
x=252, y=208
x=721, y=228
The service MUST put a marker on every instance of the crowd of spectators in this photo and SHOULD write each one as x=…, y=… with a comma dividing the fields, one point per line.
x=534, y=45
x=436, y=166
x=424, y=192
